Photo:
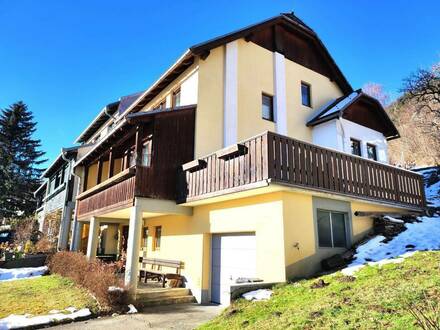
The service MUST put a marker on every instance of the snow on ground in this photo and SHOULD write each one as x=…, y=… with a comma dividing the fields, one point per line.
x=22, y=321
x=20, y=273
x=419, y=236
x=260, y=294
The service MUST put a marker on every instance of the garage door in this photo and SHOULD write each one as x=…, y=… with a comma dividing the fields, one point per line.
x=233, y=256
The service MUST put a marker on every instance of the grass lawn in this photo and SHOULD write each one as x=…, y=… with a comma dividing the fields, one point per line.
x=42, y=294
x=377, y=298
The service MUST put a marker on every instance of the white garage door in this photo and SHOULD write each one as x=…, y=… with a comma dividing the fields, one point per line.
x=233, y=256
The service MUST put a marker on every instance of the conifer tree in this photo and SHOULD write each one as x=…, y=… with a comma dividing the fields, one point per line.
x=20, y=157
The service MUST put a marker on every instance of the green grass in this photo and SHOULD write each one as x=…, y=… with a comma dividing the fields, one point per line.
x=38, y=296
x=377, y=298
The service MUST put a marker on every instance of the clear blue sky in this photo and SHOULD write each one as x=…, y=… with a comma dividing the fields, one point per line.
x=67, y=59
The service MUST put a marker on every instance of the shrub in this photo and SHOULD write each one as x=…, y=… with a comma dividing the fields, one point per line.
x=95, y=276
x=45, y=245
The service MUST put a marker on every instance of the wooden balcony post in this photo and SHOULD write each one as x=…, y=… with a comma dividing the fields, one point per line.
x=99, y=172
x=111, y=163
x=138, y=145
x=86, y=177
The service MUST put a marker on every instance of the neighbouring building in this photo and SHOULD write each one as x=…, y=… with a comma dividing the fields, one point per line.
x=250, y=157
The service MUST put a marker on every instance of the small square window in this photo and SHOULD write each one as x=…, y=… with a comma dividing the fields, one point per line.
x=371, y=151
x=305, y=95
x=355, y=147
x=146, y=153
x=267, y=107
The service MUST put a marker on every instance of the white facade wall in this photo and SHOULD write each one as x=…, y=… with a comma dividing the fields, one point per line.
x=336, y=134
x=189, y=89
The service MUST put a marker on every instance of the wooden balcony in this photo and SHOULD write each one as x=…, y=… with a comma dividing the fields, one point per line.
x=270, y=157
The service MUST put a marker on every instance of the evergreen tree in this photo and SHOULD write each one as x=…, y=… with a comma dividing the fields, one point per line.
x=20, y=157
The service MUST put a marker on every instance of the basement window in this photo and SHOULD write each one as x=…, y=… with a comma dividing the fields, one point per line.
x=332, y=232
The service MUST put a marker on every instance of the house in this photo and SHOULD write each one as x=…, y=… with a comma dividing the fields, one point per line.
x=251, y=157
x=56, y=197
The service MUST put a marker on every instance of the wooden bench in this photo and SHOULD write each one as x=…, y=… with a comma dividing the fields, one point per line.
x=155, y=271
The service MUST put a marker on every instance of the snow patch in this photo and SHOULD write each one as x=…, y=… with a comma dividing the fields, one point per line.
x=115, y=289
x=20, y=273
x=260, y=294
x=21, y=321
x=132, y=309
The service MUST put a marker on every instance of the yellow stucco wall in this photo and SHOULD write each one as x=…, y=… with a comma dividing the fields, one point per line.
x=322, y=91
x=209, y=114
x=188, y=238
x=255, y=76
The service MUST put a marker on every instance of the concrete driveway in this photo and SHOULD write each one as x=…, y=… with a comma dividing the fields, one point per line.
x=180, y=316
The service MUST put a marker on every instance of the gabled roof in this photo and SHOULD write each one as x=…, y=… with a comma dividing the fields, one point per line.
x=283, y=23
x=102, y=117
x=55, y=165
x=110, y=110
x=359, y=108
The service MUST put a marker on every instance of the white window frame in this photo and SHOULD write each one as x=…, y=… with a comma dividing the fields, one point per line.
x=331, y=228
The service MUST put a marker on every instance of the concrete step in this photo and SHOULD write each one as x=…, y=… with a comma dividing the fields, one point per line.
x=146, y=294
x=166, y=301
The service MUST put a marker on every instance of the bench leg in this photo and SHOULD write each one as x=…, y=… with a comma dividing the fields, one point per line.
x=163, y=281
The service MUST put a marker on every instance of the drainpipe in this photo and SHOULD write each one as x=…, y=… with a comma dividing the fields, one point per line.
x=343, y=131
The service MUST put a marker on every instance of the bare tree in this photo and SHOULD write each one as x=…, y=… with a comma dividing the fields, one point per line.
x=377, y=91
x=423, y=87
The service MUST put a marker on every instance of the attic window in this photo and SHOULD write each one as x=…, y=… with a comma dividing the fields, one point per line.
x=355, y=147
x=176, y=98
x=267, y=107
x=305, y=94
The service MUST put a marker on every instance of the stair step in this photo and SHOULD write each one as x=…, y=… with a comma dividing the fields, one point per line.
x=145, y=294
x=166, y=301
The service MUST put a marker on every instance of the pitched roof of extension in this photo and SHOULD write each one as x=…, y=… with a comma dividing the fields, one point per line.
x=108, y=111
x=341, y=106
x=203, y=49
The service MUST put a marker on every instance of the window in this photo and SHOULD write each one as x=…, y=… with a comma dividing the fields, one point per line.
x=145, y=237
x=146, y=153
x=161, y=105
x=157, y=237
x=305, y=94
x=176, y=98
x=267, y=107
x=331, y=229
x=371, y=151
x=355, y=147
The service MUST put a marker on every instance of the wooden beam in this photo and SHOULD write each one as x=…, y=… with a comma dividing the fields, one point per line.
x=138, y=145
x=99, y=172
x=111, y=163
x=86, y=177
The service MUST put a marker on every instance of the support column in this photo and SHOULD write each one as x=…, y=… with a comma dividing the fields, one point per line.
x=63, y=236
x=279, y=66
x=77, y=229
x=134, y=240
x=92, y=243
x=230, y=103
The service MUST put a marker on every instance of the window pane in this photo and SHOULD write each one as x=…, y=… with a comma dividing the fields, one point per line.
x=146, y=154
x=324, y=234
x=305, y=94
x=371, y=150
x=176, y=98
x=267, y=110
x=338, y=226
x=158, y=236
x=355, y=147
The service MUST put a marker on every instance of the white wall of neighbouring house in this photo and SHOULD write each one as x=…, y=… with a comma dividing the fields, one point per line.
x=189, y=89
x=336, y=134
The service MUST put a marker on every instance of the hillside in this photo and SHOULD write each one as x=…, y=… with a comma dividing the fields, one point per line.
x=419, y=144
x=388, y=285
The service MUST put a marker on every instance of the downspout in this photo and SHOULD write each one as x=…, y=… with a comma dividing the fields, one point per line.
x=342, y=130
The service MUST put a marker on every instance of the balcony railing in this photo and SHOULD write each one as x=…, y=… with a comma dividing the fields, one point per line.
x=270, y=157
x=113, y=193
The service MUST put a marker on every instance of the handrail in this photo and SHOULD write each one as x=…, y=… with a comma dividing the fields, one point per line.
x=127, y=173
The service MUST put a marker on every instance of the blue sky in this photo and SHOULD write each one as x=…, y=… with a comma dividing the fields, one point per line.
x=67, y=59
